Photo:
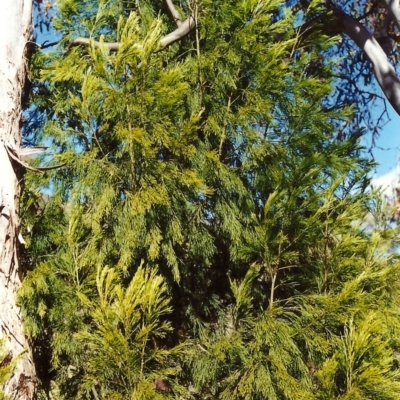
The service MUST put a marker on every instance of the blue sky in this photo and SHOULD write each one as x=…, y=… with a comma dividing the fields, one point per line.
x=387, y=154
x=387, y=151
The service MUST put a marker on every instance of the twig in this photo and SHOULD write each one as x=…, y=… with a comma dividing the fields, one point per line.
x=47, y=44
x=13, y=154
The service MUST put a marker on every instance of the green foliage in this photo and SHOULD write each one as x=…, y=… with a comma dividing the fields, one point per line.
x=361, y=366
x=251, y=355
x=207, y=228
x=122, y=346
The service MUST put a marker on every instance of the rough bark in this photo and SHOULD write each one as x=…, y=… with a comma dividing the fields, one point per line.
x=15, y=30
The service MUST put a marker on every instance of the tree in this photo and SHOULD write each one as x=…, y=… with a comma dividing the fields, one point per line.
x=15, y=31
x=213, y=162
x=376, y=45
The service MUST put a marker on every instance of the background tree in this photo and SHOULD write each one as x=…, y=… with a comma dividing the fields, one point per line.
x=369, y=31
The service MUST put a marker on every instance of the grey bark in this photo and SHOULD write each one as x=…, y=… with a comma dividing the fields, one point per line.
x=15, y=31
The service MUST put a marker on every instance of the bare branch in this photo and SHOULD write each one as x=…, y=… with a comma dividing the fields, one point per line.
x=384, y=71
x=178, y=34
x=174, y=12
x=393, y=10
x=13, y=154
x=47, y=44
x=85, y=41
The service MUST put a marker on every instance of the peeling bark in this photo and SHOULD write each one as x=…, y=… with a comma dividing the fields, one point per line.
x=15, y=31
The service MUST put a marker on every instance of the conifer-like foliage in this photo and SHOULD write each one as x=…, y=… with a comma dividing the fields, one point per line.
x=115, y=344
x=205, y=237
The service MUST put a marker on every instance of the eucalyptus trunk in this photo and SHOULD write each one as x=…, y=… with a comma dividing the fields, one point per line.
x=15, y=31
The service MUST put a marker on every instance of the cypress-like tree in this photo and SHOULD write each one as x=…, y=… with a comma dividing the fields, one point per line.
x=205, y=237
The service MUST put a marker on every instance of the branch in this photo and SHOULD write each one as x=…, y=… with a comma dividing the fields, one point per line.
x=47, y=44
x=14, y=155
x=384, y=71
x=114, y=46
x=183, y=29
x=174, y=12
x=393, y=10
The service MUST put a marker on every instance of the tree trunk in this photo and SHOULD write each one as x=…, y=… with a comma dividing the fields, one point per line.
x=15, y=31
